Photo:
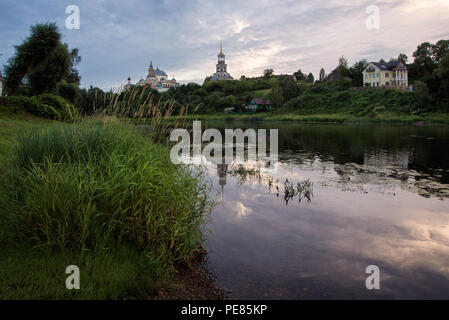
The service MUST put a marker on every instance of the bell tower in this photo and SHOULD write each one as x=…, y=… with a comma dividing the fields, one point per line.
x=221, y=65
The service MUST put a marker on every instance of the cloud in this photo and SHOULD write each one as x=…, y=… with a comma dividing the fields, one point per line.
x=117, y=39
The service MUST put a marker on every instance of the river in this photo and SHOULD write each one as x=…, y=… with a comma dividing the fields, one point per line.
x=380, y=196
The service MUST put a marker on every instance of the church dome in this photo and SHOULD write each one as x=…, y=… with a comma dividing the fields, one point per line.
x=159, y=72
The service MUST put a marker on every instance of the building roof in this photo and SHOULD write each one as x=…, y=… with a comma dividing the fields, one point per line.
x=160, y=72
x=215, y=76
x=260, y=101
x=387, y=65
x=221, y=54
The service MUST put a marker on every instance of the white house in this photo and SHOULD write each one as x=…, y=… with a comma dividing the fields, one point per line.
x=387, y=74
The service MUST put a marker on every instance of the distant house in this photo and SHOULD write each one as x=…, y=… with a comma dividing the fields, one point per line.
x=387, y=74
x=259, y=104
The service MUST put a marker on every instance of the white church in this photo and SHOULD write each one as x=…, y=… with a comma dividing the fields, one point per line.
x=156, y=79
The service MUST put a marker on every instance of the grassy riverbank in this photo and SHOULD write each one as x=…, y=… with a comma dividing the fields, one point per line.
x=101, y=196
x=390, y=118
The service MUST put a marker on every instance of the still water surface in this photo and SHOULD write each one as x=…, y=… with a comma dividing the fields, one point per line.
x=380, y=197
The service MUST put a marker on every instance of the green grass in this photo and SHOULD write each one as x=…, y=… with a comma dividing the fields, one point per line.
x=387, y=117
x=98, y=195
x=27, y=273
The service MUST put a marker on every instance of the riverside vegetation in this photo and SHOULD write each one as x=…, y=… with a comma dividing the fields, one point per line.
x=97, y=193
x=82, y=185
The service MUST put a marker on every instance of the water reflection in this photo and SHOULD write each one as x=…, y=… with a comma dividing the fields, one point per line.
x=379, y=197
x=245, y=173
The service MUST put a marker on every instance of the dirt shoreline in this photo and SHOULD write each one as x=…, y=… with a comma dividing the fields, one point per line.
x=192, y=282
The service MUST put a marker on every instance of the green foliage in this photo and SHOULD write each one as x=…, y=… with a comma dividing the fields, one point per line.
x=299, y=75
x=43, y=60
x=68, y=91
x=329, y=98
x=43, y=39
x=402, y=57
x=322, y=75
x=310, y=78
x=289, y=87
x=216, y=95
x=355, y=72
x=56, y=67
x=276, y=95
x=113, y=273
x=100, y=185
x=268, y=73
x=45, y=105
x=442, y=72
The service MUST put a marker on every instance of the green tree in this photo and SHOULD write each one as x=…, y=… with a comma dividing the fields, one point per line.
x=310, y=78
x=299, y=75
x=268, y=73
x=322, y=75
x=402, y=57
x=46, y=76
x=421, y=94
x=343, y=62
x=427, y=56
x=75, y=59
x=289, y=87
x=276, y=95
x=356, y=72
x=440, y=50
x=343, y=70
x=442, y=72
x=43, y=61
x=424, y=63
x=226, y=102
x=43, y=40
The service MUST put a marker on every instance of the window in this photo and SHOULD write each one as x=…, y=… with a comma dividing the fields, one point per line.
x=378, y=74
x=387, y=75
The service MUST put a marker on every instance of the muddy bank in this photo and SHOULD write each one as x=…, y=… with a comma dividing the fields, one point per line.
x=192, y=282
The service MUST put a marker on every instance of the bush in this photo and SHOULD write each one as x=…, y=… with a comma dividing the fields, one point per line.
x=95, y=186
x=34, y=106
x=68, y=91
x=61, y=109
x=45, y=105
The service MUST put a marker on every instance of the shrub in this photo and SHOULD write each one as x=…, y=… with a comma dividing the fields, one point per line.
x=45, y=105
x=62, y=110
x=38, y=108
x=68, y=91
x=95, y=186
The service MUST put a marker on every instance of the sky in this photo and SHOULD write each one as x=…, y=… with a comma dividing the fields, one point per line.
x=117, y=39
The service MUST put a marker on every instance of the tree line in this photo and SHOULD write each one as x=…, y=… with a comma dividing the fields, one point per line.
x=44, y=64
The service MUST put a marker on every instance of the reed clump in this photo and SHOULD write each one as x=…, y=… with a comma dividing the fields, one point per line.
x=101, y=184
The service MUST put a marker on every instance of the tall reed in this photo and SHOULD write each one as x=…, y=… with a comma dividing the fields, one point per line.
x=143, y=106
x=101, y=183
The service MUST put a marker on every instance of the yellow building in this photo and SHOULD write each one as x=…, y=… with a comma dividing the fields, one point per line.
x=388, y=74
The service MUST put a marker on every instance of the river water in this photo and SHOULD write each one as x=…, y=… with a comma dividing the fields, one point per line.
x=379, y=196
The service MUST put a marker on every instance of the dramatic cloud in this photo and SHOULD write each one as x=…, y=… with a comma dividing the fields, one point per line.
x=117, y=39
